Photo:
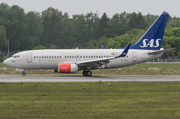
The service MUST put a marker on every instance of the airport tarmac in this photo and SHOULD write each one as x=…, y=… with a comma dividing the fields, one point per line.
x=79, y=78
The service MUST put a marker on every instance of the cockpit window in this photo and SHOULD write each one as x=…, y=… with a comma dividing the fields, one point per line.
x=15, y=56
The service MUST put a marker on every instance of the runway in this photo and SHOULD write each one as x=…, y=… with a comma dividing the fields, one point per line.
x=79, y=78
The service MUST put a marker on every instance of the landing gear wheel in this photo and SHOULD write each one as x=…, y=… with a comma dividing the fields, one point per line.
x=84, y=73
x=87, y=73
x=24, y=73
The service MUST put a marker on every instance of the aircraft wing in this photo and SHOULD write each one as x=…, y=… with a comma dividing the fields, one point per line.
x=101, y=63
x=160, y=51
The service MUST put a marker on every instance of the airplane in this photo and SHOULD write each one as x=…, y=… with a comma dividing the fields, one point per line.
x=74, y=60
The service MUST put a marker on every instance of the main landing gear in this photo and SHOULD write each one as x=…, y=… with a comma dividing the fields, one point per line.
x=87, y=73
x=24, y=73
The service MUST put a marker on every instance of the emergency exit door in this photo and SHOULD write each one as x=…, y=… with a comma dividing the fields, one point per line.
x=29, y=57
x=134, y=56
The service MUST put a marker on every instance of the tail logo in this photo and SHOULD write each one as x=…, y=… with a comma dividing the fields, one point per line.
x=151, y=43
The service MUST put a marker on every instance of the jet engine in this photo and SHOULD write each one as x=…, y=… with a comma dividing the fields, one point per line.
x=66, y=68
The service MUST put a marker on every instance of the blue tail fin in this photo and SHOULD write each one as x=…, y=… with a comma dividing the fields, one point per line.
x=152, y=39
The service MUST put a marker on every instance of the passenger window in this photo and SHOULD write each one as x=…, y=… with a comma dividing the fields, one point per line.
x=57, y=56
x=39, y=56
x=69, y=56
x=83, y=56
x=54, y=56
x=80, y=56
x=72, y=56
x=65, y=56
x=49, y=56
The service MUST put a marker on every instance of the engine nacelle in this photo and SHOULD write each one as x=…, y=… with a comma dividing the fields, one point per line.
x=66, y=68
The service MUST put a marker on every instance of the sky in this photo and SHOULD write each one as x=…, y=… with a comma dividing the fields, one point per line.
x=110, y=7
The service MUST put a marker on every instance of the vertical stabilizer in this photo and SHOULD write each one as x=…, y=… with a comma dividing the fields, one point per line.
x=153, y=37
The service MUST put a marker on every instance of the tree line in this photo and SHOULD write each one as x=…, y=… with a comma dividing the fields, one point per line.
x=53, y=29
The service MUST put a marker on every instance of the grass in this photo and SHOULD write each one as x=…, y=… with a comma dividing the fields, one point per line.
x=98, y=100
x=140, y=69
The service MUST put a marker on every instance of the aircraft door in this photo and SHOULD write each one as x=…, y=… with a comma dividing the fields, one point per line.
x=134, y=56
x=29, y=57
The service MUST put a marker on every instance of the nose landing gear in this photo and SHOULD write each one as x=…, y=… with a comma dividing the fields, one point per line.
x=24, y=73
x=87, y=73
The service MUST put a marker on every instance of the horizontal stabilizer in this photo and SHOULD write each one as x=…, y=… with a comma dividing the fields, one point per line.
x=160, y=51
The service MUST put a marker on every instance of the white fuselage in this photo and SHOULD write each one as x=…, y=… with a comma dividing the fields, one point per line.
x=49, y=59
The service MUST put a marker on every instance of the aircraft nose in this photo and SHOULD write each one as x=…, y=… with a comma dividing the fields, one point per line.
x=6, y=62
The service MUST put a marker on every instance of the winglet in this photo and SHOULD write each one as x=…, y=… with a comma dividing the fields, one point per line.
x=103, y=46
x=124, y=53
